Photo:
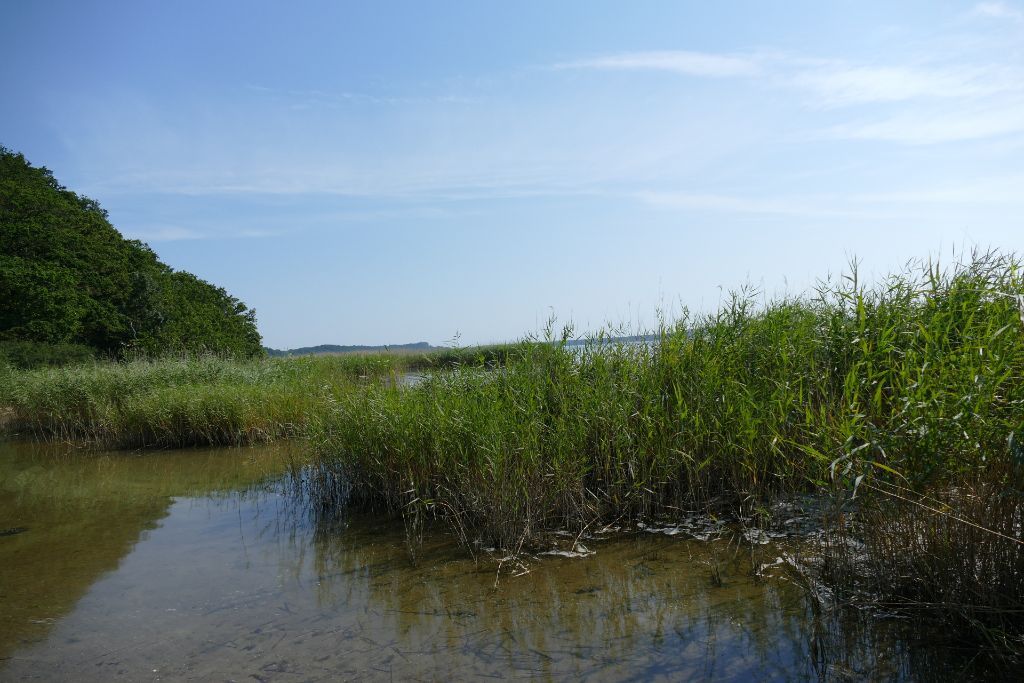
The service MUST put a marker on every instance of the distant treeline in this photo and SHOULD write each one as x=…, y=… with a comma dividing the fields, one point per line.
x=328, y=349
x=71, y=285
x=425, y=347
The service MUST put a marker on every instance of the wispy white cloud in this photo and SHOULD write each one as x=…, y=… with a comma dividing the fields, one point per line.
x=178, y=233
x=934, y=127
x=989, y=190
x=998, y=190
x=255, y=233
x=829, y=206
x=942, y=100
x=418, y=173
x=314, y=98
x=830, y=83
x=821, y=205
x=675, y=61
x=841, y=84
x=557, y=142
x=163, y=233
x=998, y=10
x=727, y=203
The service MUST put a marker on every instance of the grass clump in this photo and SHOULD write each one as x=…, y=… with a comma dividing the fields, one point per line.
x=199, y=400
x=177, y=402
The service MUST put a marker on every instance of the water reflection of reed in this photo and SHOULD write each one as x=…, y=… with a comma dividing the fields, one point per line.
x=642, y=607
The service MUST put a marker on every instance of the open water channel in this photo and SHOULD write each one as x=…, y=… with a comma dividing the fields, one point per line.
x=207, y=565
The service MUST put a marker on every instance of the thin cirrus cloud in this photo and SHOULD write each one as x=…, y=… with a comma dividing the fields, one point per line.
x=828, y=205
x=340, y=183
x=938, y=101
x=928, y=99
x=831, y=83
x=929, y=128
x=179, y=233
x=319, y=98
x=838, y=85
x=788, y=206
x=992, y=190
x=164, y=233
x=674, y=61
x=998, y=10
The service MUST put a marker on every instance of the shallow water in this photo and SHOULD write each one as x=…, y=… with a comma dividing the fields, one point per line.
x=204, y=564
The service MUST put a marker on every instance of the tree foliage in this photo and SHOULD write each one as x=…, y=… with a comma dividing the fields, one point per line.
x=67, y=276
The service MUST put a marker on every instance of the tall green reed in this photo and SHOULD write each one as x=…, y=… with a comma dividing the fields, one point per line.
x=915, y=377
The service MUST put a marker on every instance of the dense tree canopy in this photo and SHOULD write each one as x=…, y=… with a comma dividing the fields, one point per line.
x=67, y=276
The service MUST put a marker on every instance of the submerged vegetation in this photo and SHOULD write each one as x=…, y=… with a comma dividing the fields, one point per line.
x=901, y=402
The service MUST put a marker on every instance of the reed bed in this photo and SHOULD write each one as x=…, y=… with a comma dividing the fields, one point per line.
x=487, y=356
x=415, y=360
x=916, y=378
x=953, y=553
x=912, y=383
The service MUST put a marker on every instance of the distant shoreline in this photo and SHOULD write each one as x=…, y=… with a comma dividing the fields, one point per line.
x=335, y=349
x=423, y=347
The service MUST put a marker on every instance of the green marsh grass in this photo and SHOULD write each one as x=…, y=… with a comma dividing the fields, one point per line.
x=205, y=400
x=176, y=402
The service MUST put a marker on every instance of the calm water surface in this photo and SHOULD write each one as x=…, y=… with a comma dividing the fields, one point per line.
x=205, y=565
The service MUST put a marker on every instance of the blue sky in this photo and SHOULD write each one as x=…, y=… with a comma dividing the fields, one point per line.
x=390, y=172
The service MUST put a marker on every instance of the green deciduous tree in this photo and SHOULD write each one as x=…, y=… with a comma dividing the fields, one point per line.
x=68, y=276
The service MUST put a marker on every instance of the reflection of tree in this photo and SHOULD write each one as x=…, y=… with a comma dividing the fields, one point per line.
x=641, y=607
x=44, y=571
x=85, y=512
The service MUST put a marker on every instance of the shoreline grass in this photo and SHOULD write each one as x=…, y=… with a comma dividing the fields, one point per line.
x=199, y=400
